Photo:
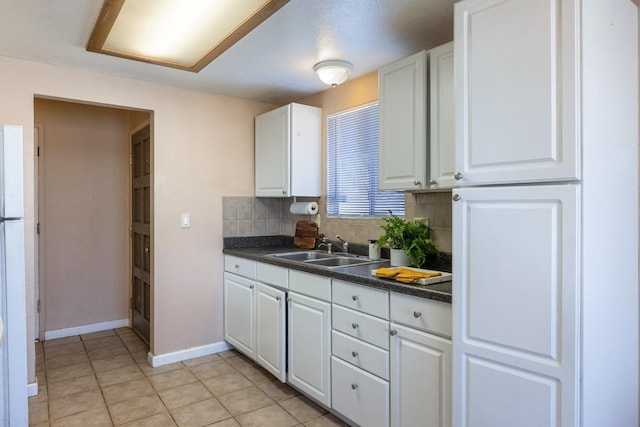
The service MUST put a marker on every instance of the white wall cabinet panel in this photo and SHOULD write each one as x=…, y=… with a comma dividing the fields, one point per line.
x=239, y=313
x=288, y=152
x=420, y=378
x=271, y=330
x=309, y=346
x=516, y=116
x=516, y=300
x=403, y=141
x=442, y=113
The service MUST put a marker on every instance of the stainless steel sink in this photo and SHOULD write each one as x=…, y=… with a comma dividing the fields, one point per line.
x=339, y=261
x=304, y=255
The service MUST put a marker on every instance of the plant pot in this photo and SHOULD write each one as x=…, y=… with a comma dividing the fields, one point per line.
x=398, y=258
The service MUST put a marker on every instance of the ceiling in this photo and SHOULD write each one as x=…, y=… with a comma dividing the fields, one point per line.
x=273, y=63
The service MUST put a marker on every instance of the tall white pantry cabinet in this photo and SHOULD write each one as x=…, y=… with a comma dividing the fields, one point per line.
x=545, y=242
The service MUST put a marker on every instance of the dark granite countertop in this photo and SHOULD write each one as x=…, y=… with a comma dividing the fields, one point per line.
x=360, y=274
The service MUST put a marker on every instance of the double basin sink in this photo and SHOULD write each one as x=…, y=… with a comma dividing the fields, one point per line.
x=324, y=259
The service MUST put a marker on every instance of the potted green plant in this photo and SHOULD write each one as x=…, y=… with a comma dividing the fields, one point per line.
x=413, y=238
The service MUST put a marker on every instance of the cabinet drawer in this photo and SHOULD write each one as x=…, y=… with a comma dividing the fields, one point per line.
x=368, y=300
x=311, y=285
x=358, y=395
x=362, y=326
x=240, y=266
x=424, y=314
x=272, y=275
x=365, y=356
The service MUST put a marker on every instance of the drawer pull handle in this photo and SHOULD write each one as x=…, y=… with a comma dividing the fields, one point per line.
x=355, y=297
x=250, y=286
x=277, y=298
x=354, y=325
x=354, y=353
x=393, y=332
x=237, y=266
x=417, y=314
x=354, y=386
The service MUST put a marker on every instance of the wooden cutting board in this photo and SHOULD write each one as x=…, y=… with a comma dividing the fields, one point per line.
x=306, y=235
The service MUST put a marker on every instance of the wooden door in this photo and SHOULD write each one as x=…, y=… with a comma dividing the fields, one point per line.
x=141, y=285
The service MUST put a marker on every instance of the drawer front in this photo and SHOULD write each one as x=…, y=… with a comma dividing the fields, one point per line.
x=365, y=356
x=424, y=314
x=361, y=298
x=311, y=285
x=272, y=275
x=362, y=326
x=240, y=266
x=358, y=395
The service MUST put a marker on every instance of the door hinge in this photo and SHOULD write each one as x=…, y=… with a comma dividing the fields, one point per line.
x=38, y=306
x=38, y=228
x=38, y=150
x=130, y=158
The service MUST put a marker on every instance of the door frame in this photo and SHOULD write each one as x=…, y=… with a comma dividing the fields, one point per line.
x=39, y=206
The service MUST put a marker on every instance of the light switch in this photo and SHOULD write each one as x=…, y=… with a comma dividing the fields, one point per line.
x=185, y=221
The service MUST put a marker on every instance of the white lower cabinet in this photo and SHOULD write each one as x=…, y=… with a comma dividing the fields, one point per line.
x=359, y=395
x=420, y=378
x=271, y=330
x=239, y=313
x=309, y=346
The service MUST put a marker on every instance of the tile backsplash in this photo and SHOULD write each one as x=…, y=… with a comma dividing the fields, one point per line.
x=253, y=216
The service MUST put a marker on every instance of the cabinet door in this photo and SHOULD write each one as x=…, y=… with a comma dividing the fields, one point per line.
x=516, y=91
x=239, y=314
x=309, y=346
x=272, y=167
x=403, y=124
x=442, y=113
x=271, y=330
x=515, y=316
x=420, y=378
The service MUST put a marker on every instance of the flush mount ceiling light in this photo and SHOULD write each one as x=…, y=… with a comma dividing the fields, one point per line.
x=333, y=72
x=187, y=35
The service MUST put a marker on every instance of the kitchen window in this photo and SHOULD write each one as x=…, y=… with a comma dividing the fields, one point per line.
x=352, y=166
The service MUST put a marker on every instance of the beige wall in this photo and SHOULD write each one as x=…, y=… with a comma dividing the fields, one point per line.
x=203, y=149
x=84, y=214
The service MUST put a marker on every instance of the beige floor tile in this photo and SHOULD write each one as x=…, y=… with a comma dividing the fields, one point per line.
x=212, y=369
x=302, y=408
x=327, y=420
x=120, y=361
x=148, y=370
x=60, y=341
x=159, y=420
x=229, y=422
x=227, y=383
x=65, y=359
x=269, y=416
x=242, y=401
x=99, y=334
x=107, y=352
x=257, y=375
x=96, y=418
x=76, y=403
x=129, y=336
x=76, y=385
x=127, y=390
x=68, y=372
x=277, y=390
x=136, y=346
x=124, y=330
x=201, y=360
x=109, y=341
x=227, y=354
x=42, y=424
x=140, y=356
x=71, y=347
x=184, y=395
x=240, y=363
x=200, y=414
x=136, y=409
x=38, y=412
x=172, y=379
x=119, y=375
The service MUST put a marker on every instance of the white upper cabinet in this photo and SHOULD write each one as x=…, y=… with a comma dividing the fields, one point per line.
x=288, y=152
x=516, y=91
x=442, y=113
x=403, y=143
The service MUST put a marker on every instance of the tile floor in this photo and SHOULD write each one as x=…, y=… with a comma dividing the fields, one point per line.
x=104, y=379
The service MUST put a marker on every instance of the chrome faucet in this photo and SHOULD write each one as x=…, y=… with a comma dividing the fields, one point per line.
x=325, y=242
x=345, y=244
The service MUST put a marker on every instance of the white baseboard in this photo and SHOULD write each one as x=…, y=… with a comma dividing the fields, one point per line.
x=189, y=353
x=32, y=389
x=86, y=329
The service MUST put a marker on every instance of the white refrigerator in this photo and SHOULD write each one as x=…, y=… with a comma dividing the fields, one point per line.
x=13, y=333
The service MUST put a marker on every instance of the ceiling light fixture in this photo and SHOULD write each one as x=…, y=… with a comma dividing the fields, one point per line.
x=333, y=72
x=187, y=35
